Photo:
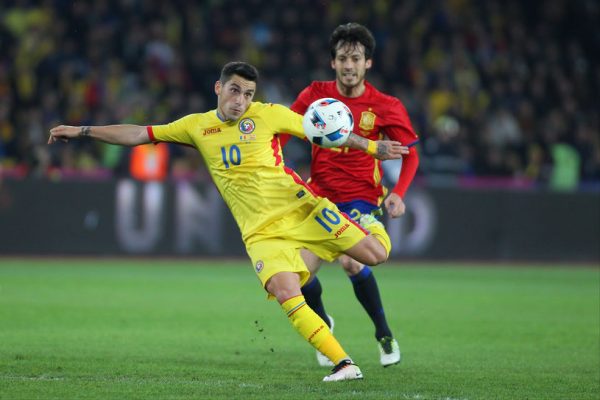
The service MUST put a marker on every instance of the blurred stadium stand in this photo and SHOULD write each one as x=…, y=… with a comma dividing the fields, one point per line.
x=504, y=94
x=501, y=90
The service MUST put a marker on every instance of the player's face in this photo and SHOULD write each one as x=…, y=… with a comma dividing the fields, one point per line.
x=350, y=65
x=234, y=97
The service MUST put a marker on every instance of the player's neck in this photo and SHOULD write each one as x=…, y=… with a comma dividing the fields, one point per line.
x=351, y=91
x=221, y=116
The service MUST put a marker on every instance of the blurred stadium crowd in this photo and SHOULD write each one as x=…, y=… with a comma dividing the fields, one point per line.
x=501, y=89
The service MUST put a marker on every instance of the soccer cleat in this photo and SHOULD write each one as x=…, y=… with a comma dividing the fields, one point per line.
x=346, y=370
x=321, y=358
x=389, y=351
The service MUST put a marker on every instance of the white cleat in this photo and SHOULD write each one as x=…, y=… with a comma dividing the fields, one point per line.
x=346, y=370
x=321, y=358
x=389, y=351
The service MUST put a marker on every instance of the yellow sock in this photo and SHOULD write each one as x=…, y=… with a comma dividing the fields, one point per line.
x=312, y=328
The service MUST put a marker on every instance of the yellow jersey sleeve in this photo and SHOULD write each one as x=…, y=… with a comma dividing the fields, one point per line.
x=283, y=120
x=174, y=132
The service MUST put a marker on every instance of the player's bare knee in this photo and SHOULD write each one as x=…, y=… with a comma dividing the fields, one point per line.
x=283, y=294
x=284, y=286
x=369, y=251
x=378, y=254
x=381, y=252
x=382, y=256
x=351, y=266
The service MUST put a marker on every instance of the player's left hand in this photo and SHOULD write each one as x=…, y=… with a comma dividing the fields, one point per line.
x=390, y=150
x=394, y=205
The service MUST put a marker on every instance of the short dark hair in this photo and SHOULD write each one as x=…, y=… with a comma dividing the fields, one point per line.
x=240, y=68
x=352, y=34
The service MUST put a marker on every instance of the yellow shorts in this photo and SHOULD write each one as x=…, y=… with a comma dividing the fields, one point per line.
x=317, y=225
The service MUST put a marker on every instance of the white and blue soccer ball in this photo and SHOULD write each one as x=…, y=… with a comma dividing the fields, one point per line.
x=328, y=122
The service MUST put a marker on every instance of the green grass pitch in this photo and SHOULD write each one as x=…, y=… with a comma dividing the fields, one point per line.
x=187, y=329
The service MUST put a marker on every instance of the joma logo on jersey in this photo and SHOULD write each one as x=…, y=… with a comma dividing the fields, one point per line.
x=246, y=125
x=341, y=230
x=211, y=131
x=367, y=120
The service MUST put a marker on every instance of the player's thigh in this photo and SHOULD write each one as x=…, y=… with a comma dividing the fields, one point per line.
x=270, y=257
x=312, y=261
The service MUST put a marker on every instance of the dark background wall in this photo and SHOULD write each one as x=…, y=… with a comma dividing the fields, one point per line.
x=126, y=217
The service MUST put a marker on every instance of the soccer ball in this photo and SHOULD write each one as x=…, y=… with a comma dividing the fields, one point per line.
x=328, y=122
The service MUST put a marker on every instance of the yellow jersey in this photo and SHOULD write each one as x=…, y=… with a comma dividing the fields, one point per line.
x=245, y=160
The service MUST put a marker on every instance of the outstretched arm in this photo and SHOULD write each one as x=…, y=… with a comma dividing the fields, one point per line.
x=380, y=149
x=127, y=135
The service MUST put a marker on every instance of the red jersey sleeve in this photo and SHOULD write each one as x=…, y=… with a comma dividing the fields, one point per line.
x=303, y=100
x=399, y=128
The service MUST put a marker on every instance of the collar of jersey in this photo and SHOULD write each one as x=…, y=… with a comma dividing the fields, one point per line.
x=219, y=116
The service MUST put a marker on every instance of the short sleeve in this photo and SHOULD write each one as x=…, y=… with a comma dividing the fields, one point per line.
x=174, y=132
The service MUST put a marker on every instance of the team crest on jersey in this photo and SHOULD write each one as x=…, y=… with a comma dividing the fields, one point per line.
x=367, y=120
x=246, y=126
x=259, y=266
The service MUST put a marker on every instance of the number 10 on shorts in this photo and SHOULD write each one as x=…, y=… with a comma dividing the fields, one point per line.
x=329, y=219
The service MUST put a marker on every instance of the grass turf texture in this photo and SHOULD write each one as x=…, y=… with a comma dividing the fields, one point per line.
x=114, y=329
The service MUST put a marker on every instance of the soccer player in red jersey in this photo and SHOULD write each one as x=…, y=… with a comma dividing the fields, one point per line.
x=351, y=178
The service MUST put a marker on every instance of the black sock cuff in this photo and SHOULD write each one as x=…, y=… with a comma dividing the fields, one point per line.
x=363, y=275
x=313, y=286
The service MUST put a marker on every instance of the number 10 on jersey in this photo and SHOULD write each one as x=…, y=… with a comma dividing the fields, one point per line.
x=329, y=218
x=233, y=155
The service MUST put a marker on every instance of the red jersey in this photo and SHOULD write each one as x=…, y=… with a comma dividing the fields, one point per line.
x=344, y=174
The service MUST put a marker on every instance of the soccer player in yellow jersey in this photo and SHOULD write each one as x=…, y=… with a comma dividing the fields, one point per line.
x=276, y=212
